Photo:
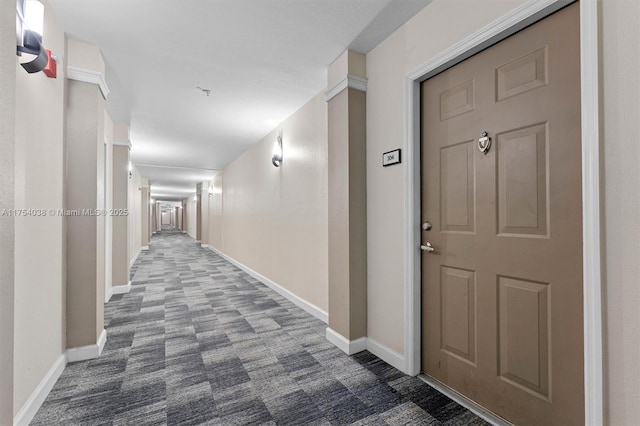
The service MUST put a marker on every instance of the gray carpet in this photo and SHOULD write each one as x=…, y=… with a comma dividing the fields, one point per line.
x=198, y=341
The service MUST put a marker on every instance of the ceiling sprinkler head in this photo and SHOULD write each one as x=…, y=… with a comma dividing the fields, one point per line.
x=206, y=91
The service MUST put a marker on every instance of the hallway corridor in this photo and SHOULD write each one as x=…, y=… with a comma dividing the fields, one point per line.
x=198, y=341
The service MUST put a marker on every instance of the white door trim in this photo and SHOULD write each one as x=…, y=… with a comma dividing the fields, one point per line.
x=501, y=28
x=108, y=221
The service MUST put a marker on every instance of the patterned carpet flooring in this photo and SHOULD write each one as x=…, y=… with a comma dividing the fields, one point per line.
x=198, y=341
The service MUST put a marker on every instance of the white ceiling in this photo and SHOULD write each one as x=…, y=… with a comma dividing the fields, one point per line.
x=261, y=59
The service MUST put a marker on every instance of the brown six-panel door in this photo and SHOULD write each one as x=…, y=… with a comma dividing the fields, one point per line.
x=502, y=290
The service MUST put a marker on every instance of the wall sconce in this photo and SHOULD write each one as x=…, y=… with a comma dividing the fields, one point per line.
x=211, y=191
x=153, y=201
x=29, y=37
x=130, y=170
x=195, y=198
x=276, y=158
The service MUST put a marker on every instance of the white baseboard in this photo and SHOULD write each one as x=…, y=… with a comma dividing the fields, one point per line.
x=108, y=295
x=118, y=289
x=121, y=289
x=349, y=347
x=38, y=396
x=133, y=260
x=465, y=402
x=32, y=405
x=83, y=353
x=296, y=300
x=206, y=246
x=386, y=354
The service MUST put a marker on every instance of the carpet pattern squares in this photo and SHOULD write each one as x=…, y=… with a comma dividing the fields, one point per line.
x=197, y=341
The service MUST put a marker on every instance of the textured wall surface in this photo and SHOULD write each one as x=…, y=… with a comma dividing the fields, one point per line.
x=8, y=61
x=434, y=29
x=621, y=159
x=39, y=255
x=275, y=219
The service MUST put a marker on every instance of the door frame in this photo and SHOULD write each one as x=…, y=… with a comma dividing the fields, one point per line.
x=108, y=221
x=503, y=27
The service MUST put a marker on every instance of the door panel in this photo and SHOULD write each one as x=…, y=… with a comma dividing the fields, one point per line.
x=457, y=100
x=457, y=188
x=458, y=305
x=522, y=74
x=502, y=292
x=524, y=334
x=522, y=181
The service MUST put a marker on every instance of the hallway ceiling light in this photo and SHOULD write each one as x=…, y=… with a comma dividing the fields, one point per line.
x=276, y=158
x=29, y=31
x=257, y=78
x=173, y=183
x=34, y=16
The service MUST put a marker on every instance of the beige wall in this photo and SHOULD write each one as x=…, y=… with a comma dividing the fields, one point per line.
x=145, y=213
x=158, y=218
x=621, y=160
x=85, y=56
x=85, y=186
x=154, y=219
x=426, y=34
x=120, y=247
x=275, y=219
x=108, y=189
x=85, y=244
x=135, y=215
x=205, y=201
x=347, y=215
x=215, y=212
x=8, y=61
x=430, y=32
x=348, y=63
x=39, y=261
x=189, y=212
x=183, y=214
x=200, y=203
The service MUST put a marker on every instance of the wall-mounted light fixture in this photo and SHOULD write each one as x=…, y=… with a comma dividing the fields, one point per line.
x=276, y=158
x=29, y=31
x=211, y=191
x=195, y=198
x=152, y=201
x=130, y=170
